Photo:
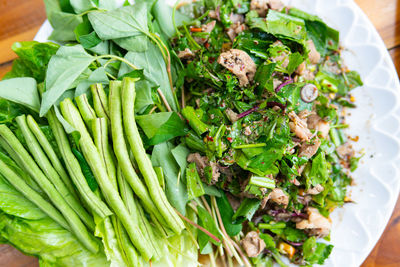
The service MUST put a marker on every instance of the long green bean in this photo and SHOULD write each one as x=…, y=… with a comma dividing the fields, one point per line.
x=43, y=162
x=100, y=136
x=144, y=163
x=15, y=180
x=72, y=115
x=87, y=112
x=100, y=101
x=45, y=144
x=21, y=173
x=74, y=169
x=121, y=151
x=136, y=211
x=76, y=225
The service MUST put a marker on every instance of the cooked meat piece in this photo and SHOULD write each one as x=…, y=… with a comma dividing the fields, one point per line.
x=215, y=172
x=247, y=131
x=313, y=55
x=299, y=127
x=209, y=26
x=264, y=201
x=301, y=69
x=279, y=197
x=346, y=150
x=240, y=64
x=253, y=244
x=201, y=163
x=185, y=54
x=232, y=115
x=276, y=83
x=276, y=5
x=315, y=190
x=235, y=18
x=315, y=122
x=317, y=224
x=309, y=149
x=260, y=6
x=234, y=29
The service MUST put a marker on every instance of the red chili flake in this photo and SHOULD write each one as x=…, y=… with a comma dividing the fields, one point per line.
x=211, y=60
x=210, y=138
x=207, y=45
x=262, y=162
x=193, y=29
x=329, y=85
x=229, y=139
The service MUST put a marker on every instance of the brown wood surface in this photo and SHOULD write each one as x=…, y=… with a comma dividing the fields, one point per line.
x=21, y=19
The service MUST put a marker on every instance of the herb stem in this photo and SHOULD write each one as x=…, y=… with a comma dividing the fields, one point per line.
x=164, y=99
x=250, y=146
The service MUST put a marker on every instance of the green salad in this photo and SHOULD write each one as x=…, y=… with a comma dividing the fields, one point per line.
x=210, y=132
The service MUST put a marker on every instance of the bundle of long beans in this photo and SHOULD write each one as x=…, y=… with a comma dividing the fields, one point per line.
x=103, y=177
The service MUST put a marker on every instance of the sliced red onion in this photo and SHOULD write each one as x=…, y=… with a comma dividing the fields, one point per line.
x=289, y=81
x=296, y=244
x=247, y=112
x=309, y=93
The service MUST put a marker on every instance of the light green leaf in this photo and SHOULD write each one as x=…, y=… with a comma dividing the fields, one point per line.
x=22, y=91
x=161, y=127
x=175, y=191
x=81, y=6
x=143, y=96
x=63, y=25
x=136, y=43
x=152, y=62
x=122, y=22
x=97, y=76
x=64, y=68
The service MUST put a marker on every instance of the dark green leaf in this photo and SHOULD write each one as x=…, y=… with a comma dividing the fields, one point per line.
x=193, y=182
x=206, y=221
x=246, y=210
x=161, y=127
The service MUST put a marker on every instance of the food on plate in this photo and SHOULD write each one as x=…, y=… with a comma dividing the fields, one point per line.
x=155, y=134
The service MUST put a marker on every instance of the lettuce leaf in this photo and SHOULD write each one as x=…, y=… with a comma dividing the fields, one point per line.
x=27, y=228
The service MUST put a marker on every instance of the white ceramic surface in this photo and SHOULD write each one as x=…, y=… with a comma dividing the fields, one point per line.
x=357, y=227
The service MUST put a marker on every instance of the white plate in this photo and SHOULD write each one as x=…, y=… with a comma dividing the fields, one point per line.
x=357, y=227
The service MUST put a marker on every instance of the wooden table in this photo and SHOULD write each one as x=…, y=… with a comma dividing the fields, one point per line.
x=21, y=19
